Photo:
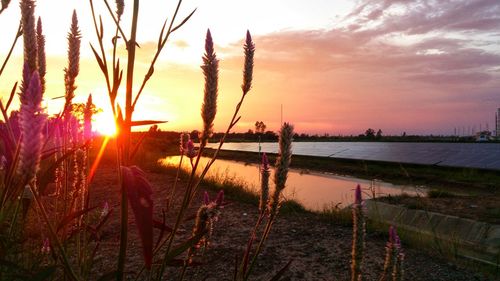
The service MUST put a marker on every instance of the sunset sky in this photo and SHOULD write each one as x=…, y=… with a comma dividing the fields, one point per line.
x=337, y=67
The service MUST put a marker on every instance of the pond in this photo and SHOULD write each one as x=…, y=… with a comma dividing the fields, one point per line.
x=313, y=190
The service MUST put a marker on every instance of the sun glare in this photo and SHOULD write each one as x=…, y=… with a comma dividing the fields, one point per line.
x=104, y=124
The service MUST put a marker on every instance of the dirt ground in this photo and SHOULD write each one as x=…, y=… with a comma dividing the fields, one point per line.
x=320, y=250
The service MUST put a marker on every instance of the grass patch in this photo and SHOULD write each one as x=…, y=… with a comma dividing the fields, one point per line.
x=466, y=180
x=437, y=193
x=337, y=215
x=234, y=188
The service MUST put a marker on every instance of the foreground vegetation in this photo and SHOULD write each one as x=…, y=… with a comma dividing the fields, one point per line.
x=50, y=227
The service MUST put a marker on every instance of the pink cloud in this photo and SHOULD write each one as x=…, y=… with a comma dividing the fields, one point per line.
x=353, y=78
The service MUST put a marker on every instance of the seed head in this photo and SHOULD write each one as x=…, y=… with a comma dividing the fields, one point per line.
x=264, y=184
x=282, y=166
x=249, y=48
x=358, y=237
x=357, y=195
x=46, y=246
x=71, y=72
x=210, y=69
x=120, y=5
x=87, y=118
x=42, y=64
x=29, y=35
x=32, y=121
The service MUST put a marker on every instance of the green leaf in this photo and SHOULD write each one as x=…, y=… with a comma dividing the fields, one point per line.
x=146, y=122
x=183, y=21
x=184, y=247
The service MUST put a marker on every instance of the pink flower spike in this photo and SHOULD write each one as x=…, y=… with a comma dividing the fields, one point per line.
x=220, y=198
x=206, y=198
x=392, y=233
x=357, y=195
x=105, y=209
x=191, y=153
x=46, y=246
x=397, y=241
x=209, y=43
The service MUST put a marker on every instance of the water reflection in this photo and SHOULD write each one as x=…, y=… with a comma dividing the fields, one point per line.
x=313, y=190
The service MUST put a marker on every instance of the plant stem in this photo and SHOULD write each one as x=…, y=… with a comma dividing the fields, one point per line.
x=259, y=247
x=54, y=237
x=126, y=139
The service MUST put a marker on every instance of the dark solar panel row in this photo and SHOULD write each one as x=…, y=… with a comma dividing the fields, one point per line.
x=473, y=155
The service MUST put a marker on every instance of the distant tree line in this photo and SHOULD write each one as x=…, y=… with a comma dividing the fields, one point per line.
x=269, y=136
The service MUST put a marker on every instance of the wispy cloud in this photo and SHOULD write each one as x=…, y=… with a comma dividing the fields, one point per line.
x=389, y=63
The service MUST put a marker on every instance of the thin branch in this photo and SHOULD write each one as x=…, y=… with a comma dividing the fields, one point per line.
x=116, y=22
x=160, y=48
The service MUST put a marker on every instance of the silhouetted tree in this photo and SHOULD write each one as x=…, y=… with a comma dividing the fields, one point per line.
x=379, y=134
x=370, y=133
x=260, y=127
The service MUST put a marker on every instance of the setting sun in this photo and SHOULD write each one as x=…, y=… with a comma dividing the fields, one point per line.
x=104, y=124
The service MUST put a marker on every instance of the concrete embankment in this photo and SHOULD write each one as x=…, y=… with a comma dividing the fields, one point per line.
x=474, y=241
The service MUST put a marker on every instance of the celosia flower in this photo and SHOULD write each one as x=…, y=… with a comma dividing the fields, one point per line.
x=219, y=200
x=391, y=253
x=397, y=272
x=42, y=64
x=87, y=119
x=46, y=246
x=105, y=210
x=357, y=195
x=282, y=166
x=183, y=142
x=207, y=214
x=264, y=190
x=32, y=121
x=71, y=72
x=3, y=163
x=249, y=48
x=29, y=36
x=210, y=69
x=358, y=236
x=206, y=198
x=190, y=150
x=120, y=5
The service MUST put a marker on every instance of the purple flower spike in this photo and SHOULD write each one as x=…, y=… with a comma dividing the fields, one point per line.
x=191, y=153
x=220, y=198
x=209, y=43
x=397, y=241
x=392, y=234
x=357, y=195
x=46, y=246
x=206, y=198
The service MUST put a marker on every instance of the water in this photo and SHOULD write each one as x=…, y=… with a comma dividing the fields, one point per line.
x=313, y=190
x=473, y=155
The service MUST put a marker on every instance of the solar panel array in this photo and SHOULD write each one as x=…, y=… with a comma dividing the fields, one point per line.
x=472, y=155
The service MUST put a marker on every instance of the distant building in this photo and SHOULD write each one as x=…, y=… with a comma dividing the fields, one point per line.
x=483, y=136
x=497, y=123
